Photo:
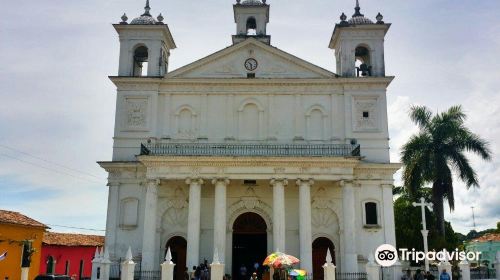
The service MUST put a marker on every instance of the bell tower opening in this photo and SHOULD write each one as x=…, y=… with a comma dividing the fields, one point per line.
x=363, y=65
x=251, y=26
x=359, y=45
x=249, y=245
x=141, y=61
x=251, y=18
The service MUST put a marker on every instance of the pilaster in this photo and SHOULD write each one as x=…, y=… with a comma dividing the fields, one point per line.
x=350, y=260
x=149, y=234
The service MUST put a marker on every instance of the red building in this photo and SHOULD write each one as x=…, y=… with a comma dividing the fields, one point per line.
x=69, y=254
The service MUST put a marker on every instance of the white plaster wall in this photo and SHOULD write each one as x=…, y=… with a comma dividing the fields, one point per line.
x=217, y=117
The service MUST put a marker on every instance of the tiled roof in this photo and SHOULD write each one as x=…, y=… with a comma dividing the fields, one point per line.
x=16, y=218
x=72, y=239
x=488, y=237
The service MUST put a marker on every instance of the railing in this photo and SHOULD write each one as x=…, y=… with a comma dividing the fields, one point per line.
x=147, y=275
x=249, y=150
x=476, y=274
x=351, y=276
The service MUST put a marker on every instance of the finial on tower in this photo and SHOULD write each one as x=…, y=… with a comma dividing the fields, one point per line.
x=147, y=9
x=357, y=10
x=124, y=19
x=160, y=18
x=379, y=18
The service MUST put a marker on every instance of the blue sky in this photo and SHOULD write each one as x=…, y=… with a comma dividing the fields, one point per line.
x=57, y=104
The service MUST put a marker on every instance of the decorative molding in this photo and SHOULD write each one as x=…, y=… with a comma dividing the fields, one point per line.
x=324, y=211
x=173, y=210
x=249, y=203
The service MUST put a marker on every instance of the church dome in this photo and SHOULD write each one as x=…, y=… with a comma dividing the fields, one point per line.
x=146, y=18
x=252, y=3
x=358, y=17
x=143, y=20
x=360, y=20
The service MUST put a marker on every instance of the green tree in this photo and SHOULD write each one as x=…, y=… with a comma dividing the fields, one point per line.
x=430, y=156
x=408, y=223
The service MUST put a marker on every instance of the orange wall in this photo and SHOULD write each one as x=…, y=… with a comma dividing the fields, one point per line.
x=10, y=237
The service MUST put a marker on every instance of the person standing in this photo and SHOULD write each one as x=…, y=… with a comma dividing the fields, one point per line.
x=444, y=275
x=429, y=276
x=419, y=275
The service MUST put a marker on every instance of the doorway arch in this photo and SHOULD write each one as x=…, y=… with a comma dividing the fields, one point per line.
x=178, y=248
x=319, y=248
x=249, y=244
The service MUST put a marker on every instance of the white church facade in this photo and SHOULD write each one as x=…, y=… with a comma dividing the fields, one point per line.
x=251, y=149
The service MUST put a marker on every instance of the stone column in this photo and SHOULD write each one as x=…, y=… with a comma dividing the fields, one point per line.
x=96, y=264
x=193, y=231
x=149, y=225
x=167, y=267
x=328, y=267
x=305, y=235
x=216, y=268
x=372, y=269
x=388, y=210
x=112, y=217
x=105, y=266
x=445, y=264
x=220, y=217
x=127, y=267
x=279, y=230
x=465, y=269
x=350, y=261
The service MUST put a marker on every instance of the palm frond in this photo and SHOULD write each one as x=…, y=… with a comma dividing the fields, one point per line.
x=471, y=142
x=420, y=115
x=464, y=170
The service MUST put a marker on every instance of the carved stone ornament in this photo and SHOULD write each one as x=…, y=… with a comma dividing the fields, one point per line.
x=249, y=202
x=324, y=212
x=136, y=112
x=174, y=210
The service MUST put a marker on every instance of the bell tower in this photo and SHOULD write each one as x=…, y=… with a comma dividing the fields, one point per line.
x=359, y=45
x=145, y=45
x=251, y=18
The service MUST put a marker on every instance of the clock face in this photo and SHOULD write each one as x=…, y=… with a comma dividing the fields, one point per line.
x=251, y=64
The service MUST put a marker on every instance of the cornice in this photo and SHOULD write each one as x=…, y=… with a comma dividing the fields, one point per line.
x=158, y=161
x=119, y=81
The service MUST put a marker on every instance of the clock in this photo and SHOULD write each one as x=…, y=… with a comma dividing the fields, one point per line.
x=251, y=64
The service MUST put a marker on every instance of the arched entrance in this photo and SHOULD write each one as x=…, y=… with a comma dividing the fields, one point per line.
x=319, y=248
x=249, y=244
x=178, y=247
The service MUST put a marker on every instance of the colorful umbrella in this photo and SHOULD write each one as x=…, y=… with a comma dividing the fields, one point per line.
x=280, y=260
x=298, y=272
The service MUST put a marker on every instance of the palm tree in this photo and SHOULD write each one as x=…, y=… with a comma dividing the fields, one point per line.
x=430, y=156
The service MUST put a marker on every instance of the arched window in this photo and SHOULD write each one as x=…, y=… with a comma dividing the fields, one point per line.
x=363, y=63
x=250, y=122
x=251, y=26
x=316, y=123
x=141, y=61
x=51, y=263
x=371, y=213
x=186, y=122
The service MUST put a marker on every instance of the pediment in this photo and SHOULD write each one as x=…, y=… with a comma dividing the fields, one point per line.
x=230, y=63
